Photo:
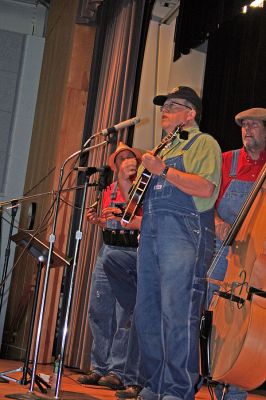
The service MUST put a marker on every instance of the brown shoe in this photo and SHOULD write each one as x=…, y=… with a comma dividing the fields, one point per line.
x=131, y=392
x=111, y=381
x=92, y=378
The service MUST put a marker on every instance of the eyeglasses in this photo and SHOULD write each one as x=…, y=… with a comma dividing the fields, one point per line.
x=173, y=107
x=253, y=124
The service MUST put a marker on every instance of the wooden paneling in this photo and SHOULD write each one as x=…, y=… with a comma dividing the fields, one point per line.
x=57, y=133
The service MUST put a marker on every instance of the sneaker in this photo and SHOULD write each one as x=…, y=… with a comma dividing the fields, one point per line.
x=92, y=378
x=131, y=392
x=111, y=381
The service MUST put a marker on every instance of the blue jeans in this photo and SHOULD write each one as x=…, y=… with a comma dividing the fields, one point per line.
x=234, y=393
x=175, y=250
x=121, y=271
x=108, y=322
x=218, y=270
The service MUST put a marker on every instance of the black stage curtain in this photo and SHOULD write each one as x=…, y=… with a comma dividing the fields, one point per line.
x=235, y=76
x=198, y=19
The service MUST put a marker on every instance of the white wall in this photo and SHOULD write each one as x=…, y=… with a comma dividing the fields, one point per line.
x=30, y=20
x=159, y=75
x=20, y=141
x=22, y=17
x=189, y=70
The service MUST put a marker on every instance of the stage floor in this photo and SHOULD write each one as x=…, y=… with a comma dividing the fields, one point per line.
x=70, y=388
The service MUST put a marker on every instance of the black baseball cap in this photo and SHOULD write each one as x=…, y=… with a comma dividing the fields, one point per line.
x=181, y=92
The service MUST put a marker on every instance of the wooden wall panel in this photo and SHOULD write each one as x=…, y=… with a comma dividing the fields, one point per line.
x=57, y=133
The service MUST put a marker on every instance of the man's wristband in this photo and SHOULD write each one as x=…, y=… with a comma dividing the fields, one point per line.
x=164, y=173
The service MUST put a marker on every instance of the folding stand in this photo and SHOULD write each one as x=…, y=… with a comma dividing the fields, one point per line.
x=65, y=395
x=14, y=210
x=50, y=252
x=38, y=250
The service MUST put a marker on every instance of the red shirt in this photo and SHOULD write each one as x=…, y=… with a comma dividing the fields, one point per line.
x=107, y=196
x=119, y=198
x=247, y=169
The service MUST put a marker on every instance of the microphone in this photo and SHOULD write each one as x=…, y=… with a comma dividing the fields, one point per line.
x=105, y=174
x=121, y=125
x=92, y=170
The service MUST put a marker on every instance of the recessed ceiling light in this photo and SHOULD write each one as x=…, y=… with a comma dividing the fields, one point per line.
x=257, y=3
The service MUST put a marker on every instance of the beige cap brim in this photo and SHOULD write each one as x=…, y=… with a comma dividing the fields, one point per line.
x=258, y=114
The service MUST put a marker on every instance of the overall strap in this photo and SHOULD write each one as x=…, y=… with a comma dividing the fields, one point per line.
x=233, y=170
x=114, y=191
x=189, y=144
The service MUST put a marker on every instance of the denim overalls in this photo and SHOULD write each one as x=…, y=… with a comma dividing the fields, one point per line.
x=228, y=209
x=121, y=272
x=108, y=320
x=176, y=248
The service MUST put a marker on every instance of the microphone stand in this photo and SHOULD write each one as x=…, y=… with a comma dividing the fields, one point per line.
x=5, y=266
x=71, y=285
x=19, y=200
x=7, y=252
x=23, y=198
x=13, y=204
x=52, y=238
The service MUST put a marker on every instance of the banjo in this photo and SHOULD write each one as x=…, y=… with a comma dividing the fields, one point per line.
x=139, y=188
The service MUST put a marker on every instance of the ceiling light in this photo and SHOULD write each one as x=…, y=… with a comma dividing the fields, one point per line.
x=257, y=3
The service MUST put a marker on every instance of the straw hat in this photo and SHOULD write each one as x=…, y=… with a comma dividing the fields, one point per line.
x=121, y=147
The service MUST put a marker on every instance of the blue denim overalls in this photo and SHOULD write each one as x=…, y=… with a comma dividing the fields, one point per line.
x=121, y=271
x=108, y=320
x=176, y=248
x=228, y=209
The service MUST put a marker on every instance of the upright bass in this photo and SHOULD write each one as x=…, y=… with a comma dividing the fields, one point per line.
x=236, y=350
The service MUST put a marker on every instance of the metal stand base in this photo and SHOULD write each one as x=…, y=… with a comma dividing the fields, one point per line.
x=6, y=379
x=42, y=385
x=3, y=380
x=26, y=371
